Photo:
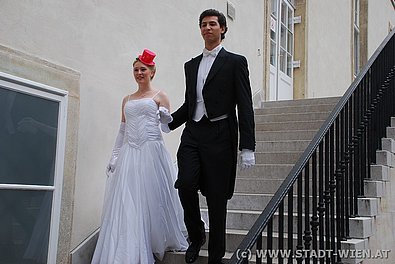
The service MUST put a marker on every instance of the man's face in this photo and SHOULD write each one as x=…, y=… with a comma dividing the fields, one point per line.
x=211, y=30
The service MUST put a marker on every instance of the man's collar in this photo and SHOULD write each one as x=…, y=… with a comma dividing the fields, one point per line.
x=214, y=52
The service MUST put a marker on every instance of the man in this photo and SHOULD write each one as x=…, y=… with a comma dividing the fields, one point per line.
x=216, y=82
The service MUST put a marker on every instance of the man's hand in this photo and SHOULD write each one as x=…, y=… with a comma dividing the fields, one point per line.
x=247, y=159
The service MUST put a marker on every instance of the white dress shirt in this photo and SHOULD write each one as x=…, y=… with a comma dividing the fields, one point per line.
x=204, y=68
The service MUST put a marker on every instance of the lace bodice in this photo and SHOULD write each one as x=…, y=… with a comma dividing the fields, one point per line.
x=142, y=123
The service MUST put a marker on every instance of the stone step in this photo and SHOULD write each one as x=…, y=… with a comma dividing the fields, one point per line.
x=255, y=186
x=179, y=257
x=368, y=206
x=284, y=145
x=244, y=209
x=285, y=135
x=243, y=202
x=388, y=144
x=301, y=102
x=284, y=157
x=289, y=126
x=391, y=131
x=294, y=109
x=243, y=220
x=270, y=186
x=266, y=171
x=381, y=172
x=236, y=219
x=386, y=158
x=250, y=203
x=354, y=245
x=290, y=117
x=234, y=237
x=373, y=187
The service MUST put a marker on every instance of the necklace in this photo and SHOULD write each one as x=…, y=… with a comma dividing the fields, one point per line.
x=143, y=94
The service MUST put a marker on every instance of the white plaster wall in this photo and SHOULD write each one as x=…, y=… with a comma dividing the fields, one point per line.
x=378, y=25
x=328, y=47
x=383, y=237
x=100, y=39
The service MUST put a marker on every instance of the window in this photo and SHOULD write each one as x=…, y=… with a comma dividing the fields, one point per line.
x=356, y=45
x=273, y=33
x=32, y=138
x=286, y=39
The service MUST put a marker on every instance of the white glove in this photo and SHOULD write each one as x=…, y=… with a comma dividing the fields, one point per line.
x=247, y=159
x=165, y=128
x=163, y=115
x=115, y=152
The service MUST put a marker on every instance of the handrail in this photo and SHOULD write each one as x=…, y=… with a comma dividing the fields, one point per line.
x=325, y=137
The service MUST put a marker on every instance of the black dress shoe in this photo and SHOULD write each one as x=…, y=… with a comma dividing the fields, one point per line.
x=192, y=252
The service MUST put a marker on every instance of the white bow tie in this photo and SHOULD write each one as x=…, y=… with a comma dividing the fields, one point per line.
x=209, y=53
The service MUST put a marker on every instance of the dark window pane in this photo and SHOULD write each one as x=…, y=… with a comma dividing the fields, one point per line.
x=283, y=60
x=24, y=226
x=273, y=7
x=273, y=53
x=28, y=132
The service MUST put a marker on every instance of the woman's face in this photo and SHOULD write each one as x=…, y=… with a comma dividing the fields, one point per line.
x=142, y=73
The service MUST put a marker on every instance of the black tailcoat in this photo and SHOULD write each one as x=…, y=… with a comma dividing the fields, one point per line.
x=226, y=89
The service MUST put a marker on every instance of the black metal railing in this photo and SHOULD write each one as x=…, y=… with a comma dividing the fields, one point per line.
x=321, y=192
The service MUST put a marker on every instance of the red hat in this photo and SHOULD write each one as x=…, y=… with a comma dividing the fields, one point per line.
x=147, y=57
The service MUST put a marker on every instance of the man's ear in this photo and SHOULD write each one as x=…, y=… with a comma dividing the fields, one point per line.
x=224, y=29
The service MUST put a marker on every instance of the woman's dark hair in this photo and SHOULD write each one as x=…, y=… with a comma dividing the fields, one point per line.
x=221, y=19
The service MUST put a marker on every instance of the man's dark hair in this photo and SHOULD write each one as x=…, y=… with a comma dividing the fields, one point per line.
x=221, y=19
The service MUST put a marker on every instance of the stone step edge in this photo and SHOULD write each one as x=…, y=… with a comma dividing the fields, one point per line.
x=291, y=122
x=283, y=141
x=294, y=106
x=257, y=212
x=203, y=253
x=291, y=113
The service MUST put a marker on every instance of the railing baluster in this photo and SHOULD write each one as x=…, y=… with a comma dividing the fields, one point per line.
x=299, y=196
x=338, y=177
x=357, y=134
x=281, y=231
x=327, y=197
x=321, y=198
x=332, y=187
x=258, y=258
x=314, y=218
x=290, y=222
x=342, y=179
x=307, y=233
x=269, y=241
x=351, y=145
x=356, y=154
x=347, y=158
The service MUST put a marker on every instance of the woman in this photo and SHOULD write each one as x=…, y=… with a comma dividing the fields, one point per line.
x=142, y=215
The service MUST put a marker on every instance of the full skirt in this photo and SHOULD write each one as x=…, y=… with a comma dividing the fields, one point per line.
x=142, y=214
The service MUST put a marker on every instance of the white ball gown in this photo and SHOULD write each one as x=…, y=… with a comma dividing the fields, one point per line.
x=142, y=214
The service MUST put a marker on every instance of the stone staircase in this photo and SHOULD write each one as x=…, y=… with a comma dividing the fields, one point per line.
x=283, y=131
